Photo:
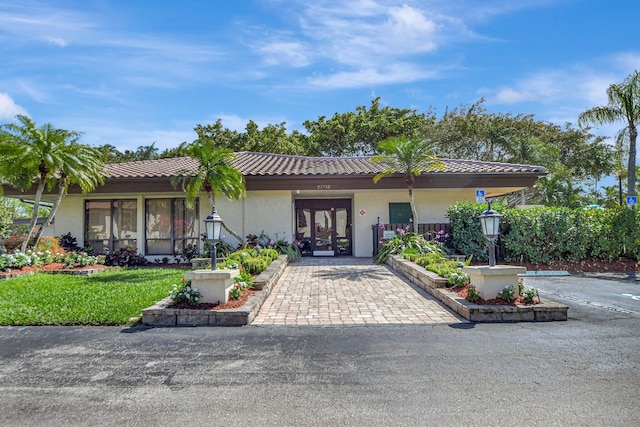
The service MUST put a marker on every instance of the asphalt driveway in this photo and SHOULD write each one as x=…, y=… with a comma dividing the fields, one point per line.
x=582, y=372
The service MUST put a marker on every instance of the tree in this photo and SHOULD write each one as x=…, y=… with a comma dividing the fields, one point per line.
x=623, y=104
x=40, y=153
x=84, y=168
x=215, y=175
x=358, y=133
x=408, y=157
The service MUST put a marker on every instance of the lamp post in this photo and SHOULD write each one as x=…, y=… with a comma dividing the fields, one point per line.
x=213, y=224
x=490, y=221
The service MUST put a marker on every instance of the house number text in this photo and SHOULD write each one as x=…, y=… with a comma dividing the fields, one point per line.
x=324, y=187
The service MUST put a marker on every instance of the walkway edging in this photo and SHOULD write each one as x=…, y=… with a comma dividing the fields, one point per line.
x=436, y=286
x=161, y=314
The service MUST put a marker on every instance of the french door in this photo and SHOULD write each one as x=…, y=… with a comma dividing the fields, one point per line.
x=323, y=226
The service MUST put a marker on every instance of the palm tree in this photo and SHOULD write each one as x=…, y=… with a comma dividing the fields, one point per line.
x=624, y=104
x=40, y=153
x=408, y=157
x=84, y=168
x=215, y=175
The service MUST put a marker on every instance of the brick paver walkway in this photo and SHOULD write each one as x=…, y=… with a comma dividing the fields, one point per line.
x=348, y=291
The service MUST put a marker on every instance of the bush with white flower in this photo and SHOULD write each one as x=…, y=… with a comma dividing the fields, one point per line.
x=185, y=292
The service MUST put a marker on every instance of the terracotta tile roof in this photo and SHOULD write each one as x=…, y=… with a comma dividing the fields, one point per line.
x=160, y=168
x=264, y=164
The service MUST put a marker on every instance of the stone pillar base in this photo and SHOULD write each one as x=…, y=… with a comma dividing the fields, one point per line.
x=488, y=281
x=214, y=285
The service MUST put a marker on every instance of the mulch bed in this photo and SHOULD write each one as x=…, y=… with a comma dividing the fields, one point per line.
x=232, y=303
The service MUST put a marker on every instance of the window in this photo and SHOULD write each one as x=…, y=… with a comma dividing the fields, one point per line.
x=110, y=224
x=170, y=226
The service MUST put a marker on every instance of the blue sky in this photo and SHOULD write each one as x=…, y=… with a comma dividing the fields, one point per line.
x=131, y=73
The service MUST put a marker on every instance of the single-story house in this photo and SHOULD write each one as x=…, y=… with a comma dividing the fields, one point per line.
x=328, y=204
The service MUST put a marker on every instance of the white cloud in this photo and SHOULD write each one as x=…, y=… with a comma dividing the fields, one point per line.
x=396, y=73
x=9, y=109
x=43, y=23
x=290, y=53
x=57, y=41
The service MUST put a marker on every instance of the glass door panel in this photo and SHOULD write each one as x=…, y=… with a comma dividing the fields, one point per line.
x=304, y=226
x=323, y=238
x=343, y=231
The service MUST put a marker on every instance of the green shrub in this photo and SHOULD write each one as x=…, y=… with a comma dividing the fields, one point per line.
x=507, y=294
x=270, y=254
x=548, y=234
x=408, y=242
x=529, y=294
x=472, y=294
x=466, y=230
x=254, y=266
x=240, y=254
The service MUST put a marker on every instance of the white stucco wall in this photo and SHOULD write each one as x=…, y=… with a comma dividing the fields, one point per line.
x=268, y=211
x=70, y=218
x=431, y=204
x=273, y=212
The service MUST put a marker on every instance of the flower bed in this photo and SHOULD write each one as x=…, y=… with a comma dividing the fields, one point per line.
x=430, y=282
x=165, y=313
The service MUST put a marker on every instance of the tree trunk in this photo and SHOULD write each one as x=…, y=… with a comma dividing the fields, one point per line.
x=224, y=225
x=414, y=211
x=34, y=217
x=631, y=179
x=61, y=191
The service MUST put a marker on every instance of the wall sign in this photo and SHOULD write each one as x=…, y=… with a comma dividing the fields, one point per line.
x=363, y=212
x=388, y=234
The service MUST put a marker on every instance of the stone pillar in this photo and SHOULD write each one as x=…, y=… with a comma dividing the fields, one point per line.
x=214, y=285
x=491, y=280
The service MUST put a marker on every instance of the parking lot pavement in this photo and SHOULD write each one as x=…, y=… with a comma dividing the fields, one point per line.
x=607, y=291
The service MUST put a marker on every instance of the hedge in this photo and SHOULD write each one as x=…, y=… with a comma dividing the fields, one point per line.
x=548, y=234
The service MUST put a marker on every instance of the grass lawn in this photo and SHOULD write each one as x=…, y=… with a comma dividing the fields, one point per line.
x=109, y=298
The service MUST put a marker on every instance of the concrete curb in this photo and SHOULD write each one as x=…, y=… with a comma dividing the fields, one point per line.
x=435, y=285
x=161, y=314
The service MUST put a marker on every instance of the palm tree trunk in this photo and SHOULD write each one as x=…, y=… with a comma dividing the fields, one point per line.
x=631, y=179
x=61, y=190
x=34, y=217
x=224, y=225
x=414, y=211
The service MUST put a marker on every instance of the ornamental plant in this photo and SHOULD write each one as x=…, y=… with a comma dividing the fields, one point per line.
x=404, y=240
x=529, y=295
x=242, y=282
x=506, y=294
x=472, y=294
x=184, y=292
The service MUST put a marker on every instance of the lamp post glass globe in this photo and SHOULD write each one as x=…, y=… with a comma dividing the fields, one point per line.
x=490, y=221
x=213, y=224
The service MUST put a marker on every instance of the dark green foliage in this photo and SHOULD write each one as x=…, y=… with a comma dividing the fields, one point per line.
x=548, y=234
x=413, y=244
x=125, y=257
x=69, y=243
x=190, y=252
x=466, y=231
